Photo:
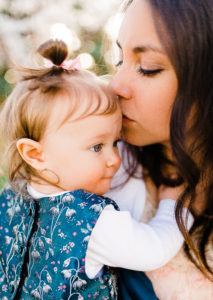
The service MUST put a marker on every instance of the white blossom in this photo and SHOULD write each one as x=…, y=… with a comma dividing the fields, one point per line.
x=86, y=239
x=15, y=229
x=35, y=254
x=96, y=207
x=70, y=212
x=89, y=226
x=49, y=278
x=51, y=251
x=48, y=241
x=15, y=247
x=47, y=255
x=43, y=231
x=62, y=235
x=4, y=288
x=10, y=212
x=54, y=210
x=35, y=294
x=20, y=238
x=7, y=239
x=66, y=273
x=17, y=209
x=66, y=263
x=79, y=283
x=41, y=243
x=68, y=198
x=2, y=279
x=46, y=288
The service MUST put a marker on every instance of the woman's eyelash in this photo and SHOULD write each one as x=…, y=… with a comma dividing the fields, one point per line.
x=142, y=71
x=115, y=144
x=119, y=63
x=149, y=72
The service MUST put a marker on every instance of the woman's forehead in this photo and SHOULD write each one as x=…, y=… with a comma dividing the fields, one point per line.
x=138, y=28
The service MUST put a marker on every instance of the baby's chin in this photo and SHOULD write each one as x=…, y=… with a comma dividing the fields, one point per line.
x=102, y=189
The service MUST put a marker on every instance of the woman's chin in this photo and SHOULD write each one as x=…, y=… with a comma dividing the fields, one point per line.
x=142, y=138
x=130, y=137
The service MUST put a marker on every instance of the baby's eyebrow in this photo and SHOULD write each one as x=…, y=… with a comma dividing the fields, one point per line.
x=98, y=137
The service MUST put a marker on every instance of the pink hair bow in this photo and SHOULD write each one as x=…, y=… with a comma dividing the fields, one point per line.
x=72, y=64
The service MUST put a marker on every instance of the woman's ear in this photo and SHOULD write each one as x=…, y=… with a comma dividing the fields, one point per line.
x=31, y=152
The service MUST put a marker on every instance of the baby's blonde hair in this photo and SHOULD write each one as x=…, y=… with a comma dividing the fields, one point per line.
x=26, y=111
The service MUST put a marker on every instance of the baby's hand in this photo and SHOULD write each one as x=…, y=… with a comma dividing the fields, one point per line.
x=165, y=192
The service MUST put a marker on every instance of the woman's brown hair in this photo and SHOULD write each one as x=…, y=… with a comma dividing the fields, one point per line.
x=185, y=29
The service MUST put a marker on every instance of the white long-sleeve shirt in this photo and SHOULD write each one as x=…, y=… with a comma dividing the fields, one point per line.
x=118, y=240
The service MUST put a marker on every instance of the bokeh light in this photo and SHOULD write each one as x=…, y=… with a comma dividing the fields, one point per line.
x=113, y=25
x=61, y=32
x=11, y=76
x=82, y=25
x=87, y=61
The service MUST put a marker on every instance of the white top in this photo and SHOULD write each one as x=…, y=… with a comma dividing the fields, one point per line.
x=118, y=240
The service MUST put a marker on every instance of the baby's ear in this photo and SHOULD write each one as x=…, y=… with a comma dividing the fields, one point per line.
x=31, y=152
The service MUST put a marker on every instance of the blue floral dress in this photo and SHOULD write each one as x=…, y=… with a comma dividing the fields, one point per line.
x=43, y=245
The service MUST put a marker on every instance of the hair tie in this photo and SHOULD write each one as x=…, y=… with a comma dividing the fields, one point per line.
x=71, y=64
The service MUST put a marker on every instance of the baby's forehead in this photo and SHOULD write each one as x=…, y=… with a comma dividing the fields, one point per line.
x=96, y=127
x=69, y=107
x=82, y=103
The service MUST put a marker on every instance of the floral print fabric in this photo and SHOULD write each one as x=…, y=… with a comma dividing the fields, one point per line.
x=56, y=246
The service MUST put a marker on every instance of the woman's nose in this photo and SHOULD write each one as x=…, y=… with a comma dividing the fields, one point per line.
x=120, y=85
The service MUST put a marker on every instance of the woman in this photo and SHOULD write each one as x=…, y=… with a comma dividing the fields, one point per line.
x=164, y=82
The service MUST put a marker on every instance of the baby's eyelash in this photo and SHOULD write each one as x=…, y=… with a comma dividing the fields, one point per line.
x=115, y=144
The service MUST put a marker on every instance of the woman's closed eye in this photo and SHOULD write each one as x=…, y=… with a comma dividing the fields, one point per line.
x=143, y=71
x=149, y=72
x=97, y=148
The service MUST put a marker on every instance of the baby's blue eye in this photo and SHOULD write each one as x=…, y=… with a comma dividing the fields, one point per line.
x=97, y=148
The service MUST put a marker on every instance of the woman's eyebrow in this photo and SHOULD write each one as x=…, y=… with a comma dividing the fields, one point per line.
x=144, y=48
x=147, y=48
x=118, y=44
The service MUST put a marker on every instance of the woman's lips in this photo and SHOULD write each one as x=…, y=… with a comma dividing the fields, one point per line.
x=126, y=119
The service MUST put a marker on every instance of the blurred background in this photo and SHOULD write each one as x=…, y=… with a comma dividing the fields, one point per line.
x=89, y=27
